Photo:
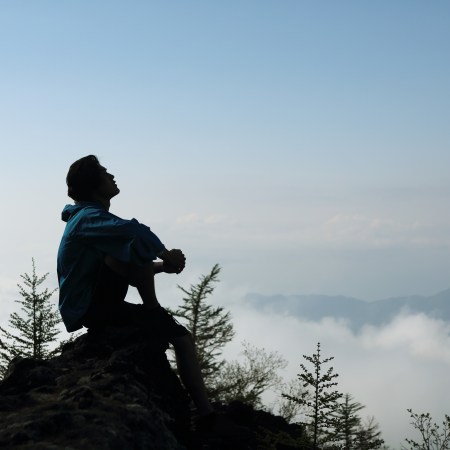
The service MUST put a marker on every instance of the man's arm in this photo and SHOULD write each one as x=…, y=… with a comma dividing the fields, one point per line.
x=128, y=241
x=125, y=240
x=173, y=261
x=158, y=267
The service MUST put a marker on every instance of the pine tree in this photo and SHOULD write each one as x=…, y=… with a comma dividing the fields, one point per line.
x=350, y=431
x=211, y=330
x=347, y=422
x=210, y=326
x=369, y=436
x=36, y=329
x=323, y=401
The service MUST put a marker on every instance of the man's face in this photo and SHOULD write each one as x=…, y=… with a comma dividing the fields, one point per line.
x=107, y=188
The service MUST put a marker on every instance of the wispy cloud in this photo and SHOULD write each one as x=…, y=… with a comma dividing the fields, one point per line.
x=190, y=218
x=197, y=219
x=357, y=229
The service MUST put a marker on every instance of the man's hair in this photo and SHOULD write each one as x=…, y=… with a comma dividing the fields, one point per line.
x=83, y=178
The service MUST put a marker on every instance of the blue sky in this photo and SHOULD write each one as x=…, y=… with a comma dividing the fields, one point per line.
x=302, y=145
x=308, y=135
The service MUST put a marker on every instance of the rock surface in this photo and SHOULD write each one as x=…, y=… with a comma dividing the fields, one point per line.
x=116, y=390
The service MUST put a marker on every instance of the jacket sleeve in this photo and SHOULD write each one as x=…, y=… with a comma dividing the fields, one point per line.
x=126, y=240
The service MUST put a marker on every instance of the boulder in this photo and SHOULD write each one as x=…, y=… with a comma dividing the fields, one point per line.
x=114, y=389
x=109, y=389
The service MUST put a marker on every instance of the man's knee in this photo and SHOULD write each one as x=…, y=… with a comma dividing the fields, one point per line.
x=185, y=341
x=135, y=275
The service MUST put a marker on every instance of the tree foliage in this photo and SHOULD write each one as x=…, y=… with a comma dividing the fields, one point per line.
x=210, y=326
x=347, y=421
x=211, y=330
x=432, y=437
x=323, y=399
x=36, y=329
x=292, y=411
x=350, y=431
x=368, y=436
x=246, y=381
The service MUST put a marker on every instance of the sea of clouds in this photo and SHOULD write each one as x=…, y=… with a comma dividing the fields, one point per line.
x=403, y=364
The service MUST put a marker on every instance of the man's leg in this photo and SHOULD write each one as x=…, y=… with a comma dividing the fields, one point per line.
x=190, y=373
x=143, y=278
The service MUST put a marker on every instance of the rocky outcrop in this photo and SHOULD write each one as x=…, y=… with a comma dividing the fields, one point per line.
x=108, y=390
x=116, y=390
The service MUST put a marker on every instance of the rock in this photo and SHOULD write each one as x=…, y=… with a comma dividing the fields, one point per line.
x=107, y=390
x=115, y=389
x=270, y=432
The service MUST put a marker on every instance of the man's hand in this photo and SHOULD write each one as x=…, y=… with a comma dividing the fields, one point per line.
x=174, y=261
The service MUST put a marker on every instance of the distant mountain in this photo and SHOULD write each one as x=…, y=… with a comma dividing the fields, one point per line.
x=356, y=312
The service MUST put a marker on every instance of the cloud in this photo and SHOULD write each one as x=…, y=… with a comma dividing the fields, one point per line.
x=188, y=218
x=197, y=219
x=403, y=364
x=350, y=228
x=355, y=229
x=214, y=218
x=419, y=335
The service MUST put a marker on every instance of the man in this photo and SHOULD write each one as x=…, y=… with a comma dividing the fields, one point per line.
x=100, y=255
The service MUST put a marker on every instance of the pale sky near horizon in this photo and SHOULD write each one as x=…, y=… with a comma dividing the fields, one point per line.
x=302, y=145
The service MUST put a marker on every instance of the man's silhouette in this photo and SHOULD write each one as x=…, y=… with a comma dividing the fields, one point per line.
x=100, y=255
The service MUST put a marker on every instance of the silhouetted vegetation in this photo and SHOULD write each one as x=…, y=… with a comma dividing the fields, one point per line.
x=211, y=329
x=432, y=436
x=331, y=420
x=34, y=333
x=210, y=326
x=323, y=399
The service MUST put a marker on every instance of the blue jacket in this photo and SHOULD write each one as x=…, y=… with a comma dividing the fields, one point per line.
x=92, y=233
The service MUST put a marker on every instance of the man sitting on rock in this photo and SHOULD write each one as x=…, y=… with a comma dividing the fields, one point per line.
x=100, y=255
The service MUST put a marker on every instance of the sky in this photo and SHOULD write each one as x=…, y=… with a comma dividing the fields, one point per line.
x=303, y=146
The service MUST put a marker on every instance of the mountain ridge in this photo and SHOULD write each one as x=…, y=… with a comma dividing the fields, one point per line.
x=357, y=312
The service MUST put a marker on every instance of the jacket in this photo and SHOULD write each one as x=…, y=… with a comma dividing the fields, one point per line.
x=90, y=234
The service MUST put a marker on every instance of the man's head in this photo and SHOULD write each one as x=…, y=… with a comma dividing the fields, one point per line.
x=87, y=180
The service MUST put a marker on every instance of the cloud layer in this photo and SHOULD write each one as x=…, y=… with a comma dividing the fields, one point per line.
x=401, y=365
